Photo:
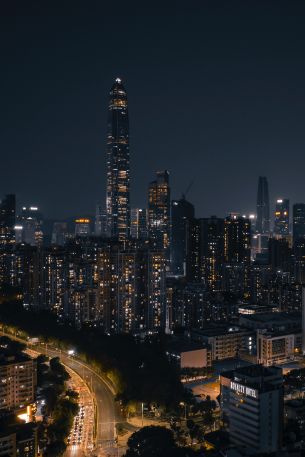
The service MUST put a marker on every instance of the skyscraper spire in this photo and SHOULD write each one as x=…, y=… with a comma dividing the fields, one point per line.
x=263, y=212
x=118, y=180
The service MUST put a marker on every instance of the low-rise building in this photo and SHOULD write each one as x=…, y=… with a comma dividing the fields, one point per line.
x=273, y=321
x=275, y=347
x=225, y=341
x=190, y=355
x=18, y=439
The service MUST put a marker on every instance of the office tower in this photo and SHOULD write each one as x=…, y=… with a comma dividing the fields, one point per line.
x=252, y=402
x=138, y=223
x=7, y=219
x=59, y=233
x=182, y=212
x=100, y=225
x=237, y=239
x=262, y=206
x=281, y=217
x=118, y=180
x=298, y=214
x=159, y=212
x=82, y=227
x=29, y=227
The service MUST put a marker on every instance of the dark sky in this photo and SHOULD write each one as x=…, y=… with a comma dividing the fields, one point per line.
x=216, y=95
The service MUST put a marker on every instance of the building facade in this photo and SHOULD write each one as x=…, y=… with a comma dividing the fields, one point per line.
x=262, y=206
x=159, y=212
x=182, y=212
x=118, y=168
x=252, y=404
x=281, y=217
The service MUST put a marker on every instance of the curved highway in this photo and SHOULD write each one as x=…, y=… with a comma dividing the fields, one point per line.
x=107, y=413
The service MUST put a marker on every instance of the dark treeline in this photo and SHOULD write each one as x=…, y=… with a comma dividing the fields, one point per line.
x=138, y=371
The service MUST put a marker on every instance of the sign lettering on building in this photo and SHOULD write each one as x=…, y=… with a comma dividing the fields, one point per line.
x=243, y=389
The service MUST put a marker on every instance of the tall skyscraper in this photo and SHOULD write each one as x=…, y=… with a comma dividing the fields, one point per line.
x=182, y=212
x=118, y=180
x=159, y=212
x=263, y=212
x=281, y=217
x=298, y=214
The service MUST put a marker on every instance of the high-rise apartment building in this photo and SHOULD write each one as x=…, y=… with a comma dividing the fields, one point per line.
x=118, y=179
x=281, y=217
x=262, y=206
x=131, y=287
x=205, y=252
x=252, y=403
x=18, y=382
x=182, y=212
x=237, y=239
x=159, y=212
x=138, y=223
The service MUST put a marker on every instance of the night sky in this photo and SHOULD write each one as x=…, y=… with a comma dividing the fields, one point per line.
x=216, y=95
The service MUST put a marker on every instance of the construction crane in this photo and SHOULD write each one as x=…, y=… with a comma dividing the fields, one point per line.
x=184, y=194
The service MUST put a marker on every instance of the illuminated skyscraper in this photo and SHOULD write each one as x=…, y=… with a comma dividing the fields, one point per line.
x=281, y=217
x=118, y=181
x=263, y=213
x=159, y=212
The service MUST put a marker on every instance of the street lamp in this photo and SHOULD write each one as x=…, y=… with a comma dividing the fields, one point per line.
x=142, y=411
x=182, y=403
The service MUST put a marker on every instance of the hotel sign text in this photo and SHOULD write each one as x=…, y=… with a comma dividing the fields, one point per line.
x=243, y=389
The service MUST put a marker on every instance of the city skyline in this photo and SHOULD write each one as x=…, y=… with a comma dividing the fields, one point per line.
x=152, y=229
x=245, y=110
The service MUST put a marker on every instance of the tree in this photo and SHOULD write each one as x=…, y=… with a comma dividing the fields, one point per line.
x=153, y=441
x=55, y=449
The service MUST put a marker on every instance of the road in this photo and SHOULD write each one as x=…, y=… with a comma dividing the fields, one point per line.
x=107, y=413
